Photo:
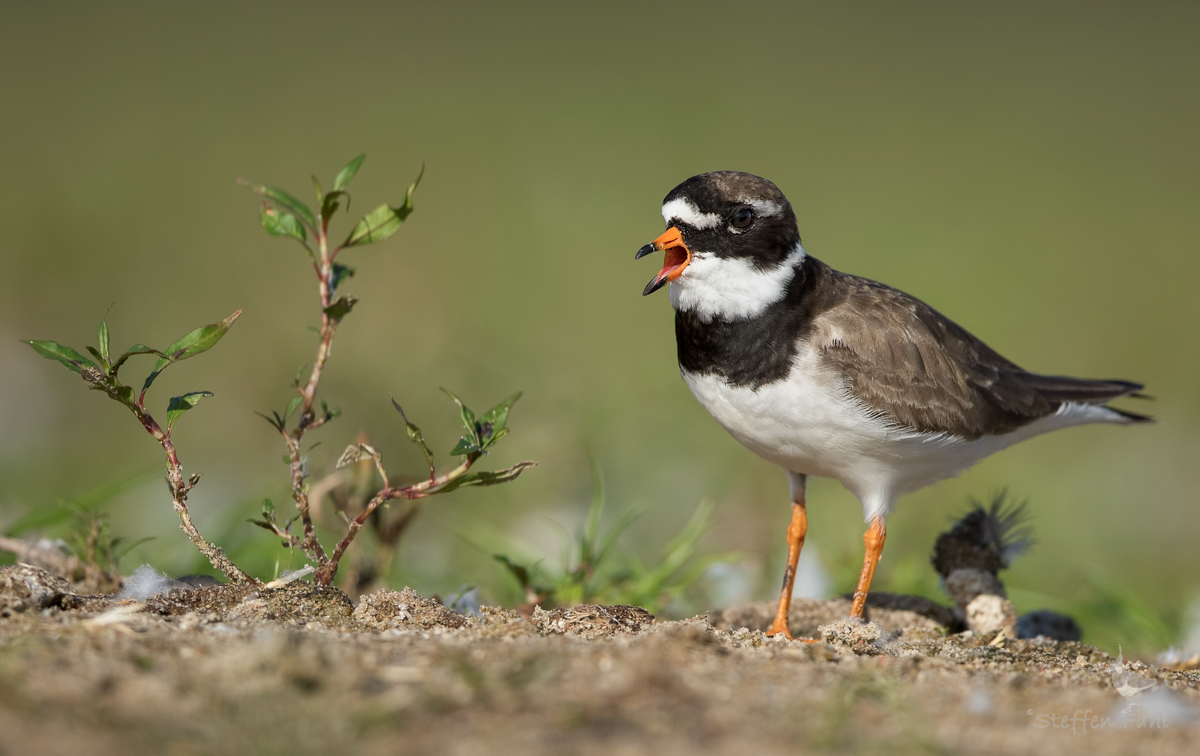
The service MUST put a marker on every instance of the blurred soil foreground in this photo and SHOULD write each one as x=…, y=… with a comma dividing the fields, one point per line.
x=301, y=668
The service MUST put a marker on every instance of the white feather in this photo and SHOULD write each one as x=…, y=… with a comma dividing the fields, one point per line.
x=731, y=287
x=765, y=208
x=808, y=423
x=682, y=209
x=144, y=583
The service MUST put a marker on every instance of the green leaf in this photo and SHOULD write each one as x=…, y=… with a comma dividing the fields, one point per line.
x=99, y=357
x=268, y=510
x=121, y=392
x=415, y=435
x=679, y=549
x=317, y=185
x=329, y=413
x=330, y=205
x=602, y=546
x=490, y=441
x=133, y=351
x=263, y=524
x=464, y=447
x=383, y=221
x=181, y=404
x=338, y=274
x=276, y=423
x=159, y=366
x=485, y=478
x=520, y=572
x=468, y=419
x=341, y=308
x=285, y=201
x=292, y=405
x=346, y=175
x=70, y=359
x=375, y=226
x=200, y=340
x=102, y=340
x=39, y=517
x=282, y=223
x=492, y=423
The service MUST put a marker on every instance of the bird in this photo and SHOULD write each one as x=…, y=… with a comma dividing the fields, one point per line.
x=832, y=375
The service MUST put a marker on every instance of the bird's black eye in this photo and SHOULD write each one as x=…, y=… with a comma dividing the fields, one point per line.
x=743, y=218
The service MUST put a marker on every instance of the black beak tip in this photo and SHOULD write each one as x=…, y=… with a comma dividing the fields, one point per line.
x=644, y=251
x=655, y=284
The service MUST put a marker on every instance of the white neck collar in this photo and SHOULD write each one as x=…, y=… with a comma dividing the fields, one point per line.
x=731, y=288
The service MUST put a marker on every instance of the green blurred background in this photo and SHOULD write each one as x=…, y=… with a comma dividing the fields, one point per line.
x=1032, y=170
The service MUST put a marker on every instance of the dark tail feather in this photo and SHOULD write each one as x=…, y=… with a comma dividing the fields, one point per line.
x=1132, y=416
x=1063, y=389
x=1060, y=388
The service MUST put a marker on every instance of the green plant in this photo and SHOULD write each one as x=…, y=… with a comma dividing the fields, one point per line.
x=104, y=375
x=88, y=553
x=593, y=573
x=285, y=216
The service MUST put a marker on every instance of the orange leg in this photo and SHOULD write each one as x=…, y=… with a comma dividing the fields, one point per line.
x=873, y=540
x=795, y=541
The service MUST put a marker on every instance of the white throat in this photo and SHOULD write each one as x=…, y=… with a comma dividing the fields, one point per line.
x=731, y=288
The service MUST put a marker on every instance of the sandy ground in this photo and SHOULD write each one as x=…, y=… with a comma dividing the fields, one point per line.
x=301, y=669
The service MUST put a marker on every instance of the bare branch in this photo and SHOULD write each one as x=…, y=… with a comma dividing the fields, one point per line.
x=180, y=488
x=328, y=571
x=309, y=543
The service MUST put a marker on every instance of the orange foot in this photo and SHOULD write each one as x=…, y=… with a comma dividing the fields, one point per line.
x=778, y=628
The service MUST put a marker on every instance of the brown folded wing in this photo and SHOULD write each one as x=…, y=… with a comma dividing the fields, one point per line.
x=923, y=372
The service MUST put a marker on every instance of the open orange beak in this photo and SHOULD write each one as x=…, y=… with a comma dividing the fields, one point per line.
x=677, y=258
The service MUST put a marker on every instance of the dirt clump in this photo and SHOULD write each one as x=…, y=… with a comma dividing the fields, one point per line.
x=23, y=587
x=860, y=637
x=591, y=621
x=405, y=610
x=296, y=603
x=214, y=600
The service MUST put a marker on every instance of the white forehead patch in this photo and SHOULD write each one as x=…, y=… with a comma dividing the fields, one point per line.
x=765, y=208
x=731, y=288
x=683, y=209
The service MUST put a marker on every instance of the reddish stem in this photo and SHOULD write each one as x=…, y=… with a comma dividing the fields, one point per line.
x=179, y=492
x=328, y=571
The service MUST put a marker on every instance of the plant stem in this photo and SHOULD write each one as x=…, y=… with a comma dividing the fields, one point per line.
x=328, y=570
x=309, y=542
x=323, y=265
x=179, y=492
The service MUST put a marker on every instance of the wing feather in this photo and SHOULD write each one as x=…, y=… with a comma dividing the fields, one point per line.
x=937, y=378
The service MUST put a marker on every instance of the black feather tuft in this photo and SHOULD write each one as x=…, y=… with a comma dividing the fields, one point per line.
x=986, y=537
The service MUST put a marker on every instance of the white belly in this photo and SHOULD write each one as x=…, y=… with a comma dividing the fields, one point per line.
x=808, y=423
